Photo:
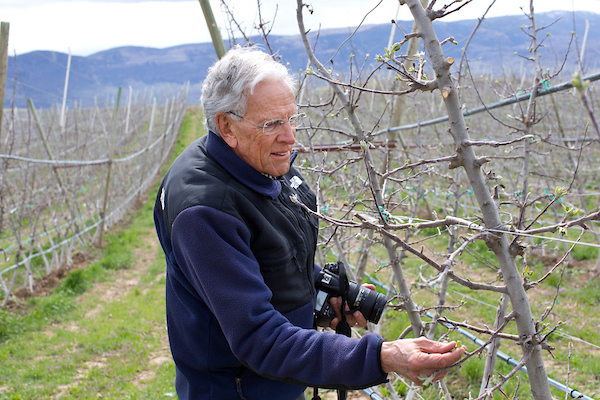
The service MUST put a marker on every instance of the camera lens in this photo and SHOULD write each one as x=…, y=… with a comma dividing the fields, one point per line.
x=369, y=302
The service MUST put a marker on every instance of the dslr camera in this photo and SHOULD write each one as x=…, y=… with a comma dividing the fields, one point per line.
x=369, y=302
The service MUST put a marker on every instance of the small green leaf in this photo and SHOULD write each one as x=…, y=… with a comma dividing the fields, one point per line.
x=427, y=380
x=579, y=83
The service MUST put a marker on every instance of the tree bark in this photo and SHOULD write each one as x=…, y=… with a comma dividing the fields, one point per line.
x=403, y=290
x=472, y=165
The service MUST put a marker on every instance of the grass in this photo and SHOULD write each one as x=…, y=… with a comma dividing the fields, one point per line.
x=101, y=333
x=575, y=309
x=102, y=330
x=90, y=338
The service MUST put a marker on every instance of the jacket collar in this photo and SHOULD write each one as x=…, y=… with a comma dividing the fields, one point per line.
x=239, y=169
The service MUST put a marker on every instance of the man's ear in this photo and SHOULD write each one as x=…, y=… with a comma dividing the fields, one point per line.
x=224, y=126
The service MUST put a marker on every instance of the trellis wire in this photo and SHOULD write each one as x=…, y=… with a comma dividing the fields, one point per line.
x=32, y=199
x=573, y=393
x=524, y=96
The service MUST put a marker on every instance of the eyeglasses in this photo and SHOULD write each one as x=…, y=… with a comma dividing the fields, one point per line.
x=273, y=126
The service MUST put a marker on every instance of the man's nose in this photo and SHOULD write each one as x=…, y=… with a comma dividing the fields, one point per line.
x=287, y=133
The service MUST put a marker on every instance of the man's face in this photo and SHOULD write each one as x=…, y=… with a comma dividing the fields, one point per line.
x=269, y=154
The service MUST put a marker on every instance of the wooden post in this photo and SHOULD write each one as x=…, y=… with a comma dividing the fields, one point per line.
x=61, y=184
x=111, y=152
x=64, y=101
x=3, y=66
x=148, y=141
x=128, y=111
x=215, y=34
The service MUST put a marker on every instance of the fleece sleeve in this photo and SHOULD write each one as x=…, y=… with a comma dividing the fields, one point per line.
x=213, y=250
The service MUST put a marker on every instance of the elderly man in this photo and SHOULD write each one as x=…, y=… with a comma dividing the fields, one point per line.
x=240, y=256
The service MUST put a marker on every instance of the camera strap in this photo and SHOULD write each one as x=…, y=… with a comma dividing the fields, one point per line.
x=343, y=327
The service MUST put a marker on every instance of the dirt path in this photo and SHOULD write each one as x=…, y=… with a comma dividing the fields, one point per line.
x=130, y=279
x=127, y=279
x=122, y=282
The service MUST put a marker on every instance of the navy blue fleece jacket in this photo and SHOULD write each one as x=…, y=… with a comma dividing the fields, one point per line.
x=231, y=329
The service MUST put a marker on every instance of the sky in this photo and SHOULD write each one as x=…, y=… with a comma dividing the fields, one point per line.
x=86, y=27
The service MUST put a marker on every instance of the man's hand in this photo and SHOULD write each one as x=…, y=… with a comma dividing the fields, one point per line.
x=419, y=358
x=356, y=318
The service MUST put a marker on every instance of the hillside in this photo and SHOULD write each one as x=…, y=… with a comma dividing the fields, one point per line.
x=40, y=75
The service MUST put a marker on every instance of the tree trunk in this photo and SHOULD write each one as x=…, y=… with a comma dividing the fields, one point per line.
x=530, y=345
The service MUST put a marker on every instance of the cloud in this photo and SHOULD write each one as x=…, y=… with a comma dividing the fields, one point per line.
x=87, y=26
x=35, y=3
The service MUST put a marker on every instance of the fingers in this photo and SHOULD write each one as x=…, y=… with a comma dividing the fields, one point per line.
x=453, y=356
x=354, y=319
x=416, y=358
x=430, y=346
x=359, y=319
x=336, y=304
x=440, y=357
x=440, y=361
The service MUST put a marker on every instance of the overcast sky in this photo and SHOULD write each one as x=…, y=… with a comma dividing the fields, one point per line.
x=86, y=27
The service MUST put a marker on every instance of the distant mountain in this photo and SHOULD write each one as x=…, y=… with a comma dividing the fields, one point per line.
x=40, y=75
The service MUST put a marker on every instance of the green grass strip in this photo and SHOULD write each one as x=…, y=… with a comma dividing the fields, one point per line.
x=101, y=333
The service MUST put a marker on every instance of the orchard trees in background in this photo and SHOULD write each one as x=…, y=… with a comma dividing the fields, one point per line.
x=465, y=206
x=63, y=186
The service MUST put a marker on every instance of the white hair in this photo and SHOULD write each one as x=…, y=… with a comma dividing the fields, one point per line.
x=231, y=79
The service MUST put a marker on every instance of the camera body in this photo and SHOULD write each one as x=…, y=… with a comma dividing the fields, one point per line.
x=369, y=302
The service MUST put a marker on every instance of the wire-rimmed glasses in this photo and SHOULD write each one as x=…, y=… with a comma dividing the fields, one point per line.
x=273, y=126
